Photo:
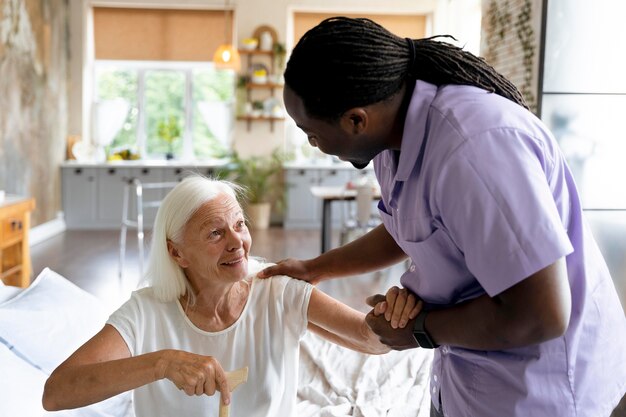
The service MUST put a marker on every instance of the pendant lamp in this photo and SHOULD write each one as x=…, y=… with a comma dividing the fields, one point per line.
x=227, y=56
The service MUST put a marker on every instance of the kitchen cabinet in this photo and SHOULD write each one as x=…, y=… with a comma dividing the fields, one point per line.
x=79, y=190
x=93, y=194
x=110, y=189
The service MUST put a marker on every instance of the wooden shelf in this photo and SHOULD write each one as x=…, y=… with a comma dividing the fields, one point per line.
x=250, y=119
x=255, y=52
x=264, y=85
x=254, y=91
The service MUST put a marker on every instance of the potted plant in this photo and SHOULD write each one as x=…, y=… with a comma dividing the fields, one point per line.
x=168, y=131
x=279, y=58
x=264, y=185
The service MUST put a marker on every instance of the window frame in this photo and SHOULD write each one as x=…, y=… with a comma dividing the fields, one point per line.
x=142, y=67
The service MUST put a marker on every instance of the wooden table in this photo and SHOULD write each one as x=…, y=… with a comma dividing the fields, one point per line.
x=15, y=265
x=328, y=195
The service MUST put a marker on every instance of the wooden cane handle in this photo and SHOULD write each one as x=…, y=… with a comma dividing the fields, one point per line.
x=234, y=378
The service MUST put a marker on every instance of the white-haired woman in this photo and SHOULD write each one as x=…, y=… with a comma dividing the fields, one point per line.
x=202, y=314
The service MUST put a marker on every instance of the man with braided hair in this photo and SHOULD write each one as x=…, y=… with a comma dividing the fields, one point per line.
x=517, y=300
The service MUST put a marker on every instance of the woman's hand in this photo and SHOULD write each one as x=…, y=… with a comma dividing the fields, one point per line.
x=294, y=268
x=398, y=305
x=195, y=374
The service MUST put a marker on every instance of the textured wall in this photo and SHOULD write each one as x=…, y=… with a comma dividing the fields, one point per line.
x=33, y=100
x=510, y=42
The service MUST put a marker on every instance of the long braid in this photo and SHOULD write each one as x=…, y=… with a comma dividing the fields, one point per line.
x=344, y=63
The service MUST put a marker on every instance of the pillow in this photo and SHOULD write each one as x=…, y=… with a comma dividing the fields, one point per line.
x=21, y=386
x=46, y=322
x=7, y=292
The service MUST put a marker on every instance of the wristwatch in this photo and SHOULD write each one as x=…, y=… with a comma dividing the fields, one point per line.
x=420, y=334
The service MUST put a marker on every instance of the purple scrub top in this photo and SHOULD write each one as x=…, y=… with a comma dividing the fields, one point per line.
x=480, y=198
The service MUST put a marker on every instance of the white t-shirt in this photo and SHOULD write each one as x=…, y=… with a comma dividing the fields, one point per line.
x=265, y=338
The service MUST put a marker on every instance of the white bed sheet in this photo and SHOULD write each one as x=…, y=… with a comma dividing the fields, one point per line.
x=335, y=381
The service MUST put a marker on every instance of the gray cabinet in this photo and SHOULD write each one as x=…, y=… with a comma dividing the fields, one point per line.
x=93, y=194
x=79, y=196
x=110, y=187
x=304, y=211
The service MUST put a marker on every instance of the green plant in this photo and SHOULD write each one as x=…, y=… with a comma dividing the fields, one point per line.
x=262, y=177
x=169, y=131
x=279, y=56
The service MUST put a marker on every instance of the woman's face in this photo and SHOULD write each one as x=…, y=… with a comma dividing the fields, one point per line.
x=216, y=242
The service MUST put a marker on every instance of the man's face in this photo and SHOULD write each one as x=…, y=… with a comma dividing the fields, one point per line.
x=329, y=137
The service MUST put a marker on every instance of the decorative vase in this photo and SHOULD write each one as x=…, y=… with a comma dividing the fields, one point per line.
x=259, y=215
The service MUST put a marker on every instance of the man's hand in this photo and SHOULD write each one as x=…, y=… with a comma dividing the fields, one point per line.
x=294, y=268
x=398, y=338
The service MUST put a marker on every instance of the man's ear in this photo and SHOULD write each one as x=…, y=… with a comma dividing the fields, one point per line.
x=176, y=254
x=355, y=120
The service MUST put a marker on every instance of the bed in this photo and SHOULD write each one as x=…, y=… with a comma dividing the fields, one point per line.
x=43, y=324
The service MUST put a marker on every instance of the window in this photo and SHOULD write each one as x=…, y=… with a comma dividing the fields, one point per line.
x=198, y=98
x=152, y=73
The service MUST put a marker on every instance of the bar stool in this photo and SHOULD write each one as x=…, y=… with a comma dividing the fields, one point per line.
x=363, y=219
x=135, y=187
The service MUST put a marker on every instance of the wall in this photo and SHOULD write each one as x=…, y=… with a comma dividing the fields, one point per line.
x=510, y=42
x=446, y=16
x=45, y=77
x=33, y=100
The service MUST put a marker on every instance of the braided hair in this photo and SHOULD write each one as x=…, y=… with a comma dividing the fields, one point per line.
x=344, y=63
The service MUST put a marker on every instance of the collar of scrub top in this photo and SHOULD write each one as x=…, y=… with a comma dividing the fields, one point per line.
x=414, y=134
x=413, y=138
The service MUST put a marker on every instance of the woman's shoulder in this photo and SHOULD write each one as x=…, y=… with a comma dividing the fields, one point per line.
x=143, y=298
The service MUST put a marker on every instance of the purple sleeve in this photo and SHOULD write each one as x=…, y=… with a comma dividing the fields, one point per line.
x=495, y=201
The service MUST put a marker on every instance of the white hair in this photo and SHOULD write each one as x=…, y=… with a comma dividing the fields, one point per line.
x=163, y=274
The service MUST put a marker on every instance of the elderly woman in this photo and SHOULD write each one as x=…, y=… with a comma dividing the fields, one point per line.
x=202, y=314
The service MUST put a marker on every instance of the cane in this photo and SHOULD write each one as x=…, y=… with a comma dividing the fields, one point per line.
x=234, y=378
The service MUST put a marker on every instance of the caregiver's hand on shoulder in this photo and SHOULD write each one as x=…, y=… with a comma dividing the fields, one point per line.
x=194, y=374
x=294, y=268
x=398, y=305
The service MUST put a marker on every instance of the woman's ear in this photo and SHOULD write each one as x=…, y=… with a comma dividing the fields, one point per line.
x=176, y=254
x=355, y=120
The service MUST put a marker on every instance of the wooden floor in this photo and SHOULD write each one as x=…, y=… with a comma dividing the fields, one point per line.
x=90, y=259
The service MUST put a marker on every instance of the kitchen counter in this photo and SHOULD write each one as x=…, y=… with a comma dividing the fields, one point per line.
x=323, y=165
x=160, y=163
x=146, y=163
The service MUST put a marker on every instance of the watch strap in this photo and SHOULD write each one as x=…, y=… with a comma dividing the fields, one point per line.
x=420, y=334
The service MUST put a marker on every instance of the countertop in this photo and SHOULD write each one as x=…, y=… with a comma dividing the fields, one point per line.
x=160, y=163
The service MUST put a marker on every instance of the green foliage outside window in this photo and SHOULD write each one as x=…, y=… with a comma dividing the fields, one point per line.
x=164, y=98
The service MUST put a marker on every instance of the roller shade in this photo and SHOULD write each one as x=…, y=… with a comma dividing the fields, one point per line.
x=405, y=25
x=159, y=34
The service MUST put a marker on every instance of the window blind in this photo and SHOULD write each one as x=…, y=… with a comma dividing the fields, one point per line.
x=160, y=34
x=405, y=25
